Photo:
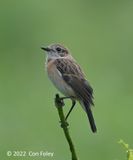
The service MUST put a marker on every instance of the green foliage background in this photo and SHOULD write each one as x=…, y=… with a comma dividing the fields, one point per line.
x=100, y=36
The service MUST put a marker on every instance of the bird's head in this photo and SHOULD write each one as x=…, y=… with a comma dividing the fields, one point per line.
x=56, y=51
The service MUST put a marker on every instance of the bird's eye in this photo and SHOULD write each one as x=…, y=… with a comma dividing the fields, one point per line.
x=58, y=49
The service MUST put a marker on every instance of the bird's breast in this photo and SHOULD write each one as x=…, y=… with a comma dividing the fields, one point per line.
x=56, y=77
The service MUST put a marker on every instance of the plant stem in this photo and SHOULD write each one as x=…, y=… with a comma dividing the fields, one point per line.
x=59, y=104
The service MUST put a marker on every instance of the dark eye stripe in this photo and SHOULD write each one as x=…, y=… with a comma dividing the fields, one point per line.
x=58, y=49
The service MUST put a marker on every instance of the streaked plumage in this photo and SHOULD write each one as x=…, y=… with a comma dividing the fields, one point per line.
x=68, y=77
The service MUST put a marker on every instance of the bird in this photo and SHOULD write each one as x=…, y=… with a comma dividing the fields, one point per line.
x=68, y=77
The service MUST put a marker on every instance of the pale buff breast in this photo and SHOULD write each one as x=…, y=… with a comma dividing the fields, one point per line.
x=56, y=77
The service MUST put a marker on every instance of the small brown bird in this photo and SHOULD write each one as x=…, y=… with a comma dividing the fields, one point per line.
x=69, y=79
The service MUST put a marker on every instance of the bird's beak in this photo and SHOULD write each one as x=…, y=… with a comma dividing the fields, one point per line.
x=45, y=49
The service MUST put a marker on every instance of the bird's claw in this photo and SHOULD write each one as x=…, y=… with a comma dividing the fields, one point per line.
x=59, y=101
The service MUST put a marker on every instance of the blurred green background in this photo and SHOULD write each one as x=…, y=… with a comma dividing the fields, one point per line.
x=100, y=37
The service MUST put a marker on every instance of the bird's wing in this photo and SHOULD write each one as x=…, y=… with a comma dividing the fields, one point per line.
x=74, y=77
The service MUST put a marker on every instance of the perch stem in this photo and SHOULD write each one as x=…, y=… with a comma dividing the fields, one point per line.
x=59, y=104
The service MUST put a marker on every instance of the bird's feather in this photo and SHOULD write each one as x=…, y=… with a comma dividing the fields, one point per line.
x=74, y=77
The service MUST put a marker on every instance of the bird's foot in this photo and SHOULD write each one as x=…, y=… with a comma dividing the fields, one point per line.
x=59, y=101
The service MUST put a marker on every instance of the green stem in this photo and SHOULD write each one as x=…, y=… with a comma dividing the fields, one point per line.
x=59, y=104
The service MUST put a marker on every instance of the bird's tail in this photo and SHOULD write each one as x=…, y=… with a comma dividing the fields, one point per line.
x=87, y=108
x=91, y=119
